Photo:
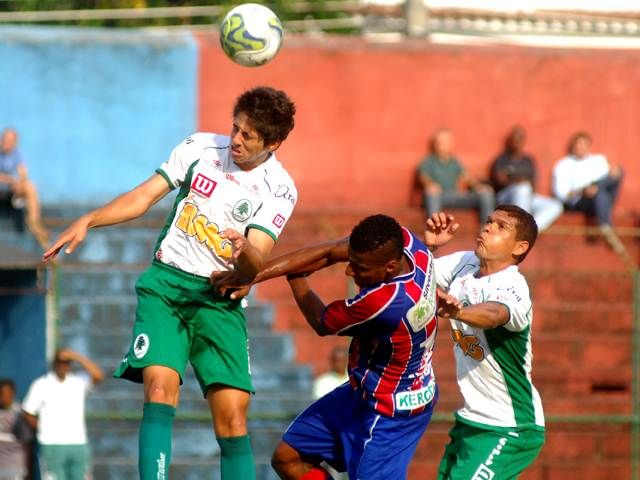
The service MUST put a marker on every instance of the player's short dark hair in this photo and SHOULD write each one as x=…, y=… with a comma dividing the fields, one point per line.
x=526, y=226
x=581, y=135
x=7, y=382
x=375, y=232
x=270, y=112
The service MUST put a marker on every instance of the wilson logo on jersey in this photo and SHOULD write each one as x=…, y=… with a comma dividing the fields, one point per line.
x=203, y=185
x=195, y=224
x=469, y=344
x=278, y=220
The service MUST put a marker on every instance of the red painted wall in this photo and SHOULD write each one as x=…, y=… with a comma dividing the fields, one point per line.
x=365, y=111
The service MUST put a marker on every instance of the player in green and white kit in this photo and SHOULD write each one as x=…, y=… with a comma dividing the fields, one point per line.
x=500, y=429
x=234, y=198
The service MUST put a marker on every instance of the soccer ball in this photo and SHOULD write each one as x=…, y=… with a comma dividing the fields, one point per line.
x=251, y=34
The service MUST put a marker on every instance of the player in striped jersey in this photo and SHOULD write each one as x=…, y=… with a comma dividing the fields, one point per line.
x=369, y=426
x=234, y=198
x=500, y=429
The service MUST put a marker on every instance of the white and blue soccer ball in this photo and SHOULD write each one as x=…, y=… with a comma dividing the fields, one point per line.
x=251, y=34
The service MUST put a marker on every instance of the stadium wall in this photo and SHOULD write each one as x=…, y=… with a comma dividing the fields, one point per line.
x=366, y=111
x=97, y=109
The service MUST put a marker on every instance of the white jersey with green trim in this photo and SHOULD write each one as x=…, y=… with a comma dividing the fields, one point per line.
x=494, y=365
x=214, y=194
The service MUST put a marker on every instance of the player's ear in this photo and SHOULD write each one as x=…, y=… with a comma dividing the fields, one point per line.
x=274, y=146
x=391, y=266
x=520, y=248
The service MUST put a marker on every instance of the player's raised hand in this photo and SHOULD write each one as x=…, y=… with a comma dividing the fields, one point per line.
x=440, y=228
x=73, y=236
x=230, y=283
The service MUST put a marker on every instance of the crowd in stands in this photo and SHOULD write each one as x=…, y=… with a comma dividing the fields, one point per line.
x=581, y=181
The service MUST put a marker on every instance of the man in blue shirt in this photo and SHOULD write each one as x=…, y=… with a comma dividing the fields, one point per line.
x=15, y=184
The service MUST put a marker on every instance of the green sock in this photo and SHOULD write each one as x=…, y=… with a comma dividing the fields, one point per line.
x=236, y=458
x=154, y=443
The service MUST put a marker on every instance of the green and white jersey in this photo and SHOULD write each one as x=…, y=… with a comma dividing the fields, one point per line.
x=494, y=365
x=214, y=194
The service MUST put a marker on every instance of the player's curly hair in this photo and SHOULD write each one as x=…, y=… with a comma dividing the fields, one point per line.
x=270, y=111
x=526, y=226
x=377, y=231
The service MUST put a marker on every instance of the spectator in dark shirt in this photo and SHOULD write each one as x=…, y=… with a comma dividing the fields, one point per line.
x=15, y=435
x=513, y=175
x=447, y=184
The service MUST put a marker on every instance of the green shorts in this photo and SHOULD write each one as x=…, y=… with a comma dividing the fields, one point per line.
x=474, y=453
x=178, y=319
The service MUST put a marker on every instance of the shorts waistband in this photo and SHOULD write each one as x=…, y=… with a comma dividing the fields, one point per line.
x=180, y=273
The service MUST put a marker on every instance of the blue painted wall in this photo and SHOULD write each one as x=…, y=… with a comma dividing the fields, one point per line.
x=97, y=110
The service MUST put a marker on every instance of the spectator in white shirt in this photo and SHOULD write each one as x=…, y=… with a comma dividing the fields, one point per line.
x=587, y=182
x=54, y=405
x=336, y=376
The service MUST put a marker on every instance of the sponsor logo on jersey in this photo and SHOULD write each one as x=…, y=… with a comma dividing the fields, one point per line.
x=283, y=192
x=242, y=210
x=415, y=398
x=231, y=178
x=278, y=220
x=469, y=344
x=140, y=345
x=195, y=224
x=203, y=185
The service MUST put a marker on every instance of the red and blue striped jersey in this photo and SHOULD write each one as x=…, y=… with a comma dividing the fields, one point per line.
x=393, y=326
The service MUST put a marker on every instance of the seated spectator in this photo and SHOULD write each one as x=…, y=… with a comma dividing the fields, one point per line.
x=15, y=184
x=15, y=435
x=588, y=183
x=513, y=175
x=447, y=184
x=336, y=375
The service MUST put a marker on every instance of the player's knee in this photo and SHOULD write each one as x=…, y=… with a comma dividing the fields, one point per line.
x=233, y=424
x=160, y=392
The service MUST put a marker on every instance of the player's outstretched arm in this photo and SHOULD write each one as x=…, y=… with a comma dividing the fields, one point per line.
x=485, y=315
x=440, y=228
x=126, y=207
x=303, y=261
x=308, y=302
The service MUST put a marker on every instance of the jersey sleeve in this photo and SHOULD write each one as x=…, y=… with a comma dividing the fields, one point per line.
x=276, y=209
x=514, y=296
x=34, y=399
x=449, y=266
x=174, y=170
x=343, y=317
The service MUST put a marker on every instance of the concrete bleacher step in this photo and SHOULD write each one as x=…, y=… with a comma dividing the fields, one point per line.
x=288, y=379
x=264, y=404
x=264, y=346
x=125, y=468
x=191, y=438
x=115, y=245
x=116, y=314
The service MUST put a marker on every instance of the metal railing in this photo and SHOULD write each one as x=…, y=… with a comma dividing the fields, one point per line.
x=413, y=18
